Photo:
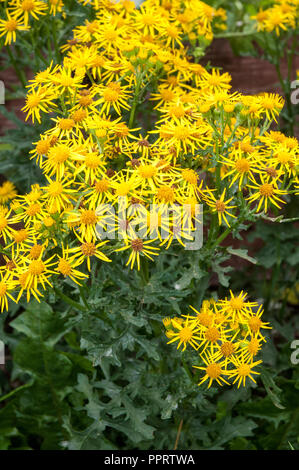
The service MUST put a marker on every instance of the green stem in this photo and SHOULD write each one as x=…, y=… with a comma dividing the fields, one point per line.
x=57, y=52
x=135, y=100
x=286, y=87
x=289, y=427
x=69, y=301
x=226, y=233
x=187, y=370
x=213, y=225
x=204, y=286
x=274, y=277
x=34, y=48
x=238, y=34
x=16, y=390
x=144, y=272
x=221, y=238
x=19, y=73
x=81, y=289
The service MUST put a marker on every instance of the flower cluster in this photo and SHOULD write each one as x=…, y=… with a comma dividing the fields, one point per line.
x=281, y=16
x=227, y=335
x=136, y=121
x=20, y=15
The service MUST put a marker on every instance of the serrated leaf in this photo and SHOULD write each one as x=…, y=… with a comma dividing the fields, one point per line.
x=40, y=321
x=272, y=389
x=241, y=254
x=43, y=362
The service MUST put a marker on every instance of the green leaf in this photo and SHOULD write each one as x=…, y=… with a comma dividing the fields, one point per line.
x=272, y=389
x=47, y=365
x=137, y=416
x=264, y=409
x=171, y=404
x=241, y=254
x=40, y=321
x=194, y=272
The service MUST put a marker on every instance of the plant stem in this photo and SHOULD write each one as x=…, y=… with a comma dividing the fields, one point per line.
x=221, y=238
x=135, y=100
x=144, y=273
x=238, y=34
x=20, y=73
x=286, y=86
x=57, y=53
x=178, y=435
x=83, y=297
x=69, y=301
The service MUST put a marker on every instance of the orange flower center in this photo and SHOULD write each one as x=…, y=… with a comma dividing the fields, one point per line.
x=212, y=334
x=266, y=190
x=185, y=334
x=88, y=217
x=213, y=370
x=227, y=348
x=88, y=249
x=36, y=268
x=11, y=25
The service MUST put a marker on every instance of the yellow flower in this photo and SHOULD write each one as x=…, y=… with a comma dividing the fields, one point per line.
x=9, y=27
x=213, y=371
x=99, y=192
x=55, y=6
x=250, y=348
x=187, y=334
x=87, y=250
x=139, y=247
x=165, y=95
x=255, y=324
x=59, y=158
x=226, y=334
x=278, y=20
x=67, y=267
x=33, y=273
x=220, y=206
x=91, y=163
x=215, y=81
x=172, y=34
x=6, y=229
x=183, y=136
x=59, y=193
x=41, y=149
x=64, y=80
x=6, y=284
x=147, y=20
x=236, y=307
x=167, y=322
x=271, y=104
x=25, y=8
x=242, y=167
x=85, y=221
x=37, y=101
x=113, y=96
x=7, y=192
x=266, y=193
x=242, y=371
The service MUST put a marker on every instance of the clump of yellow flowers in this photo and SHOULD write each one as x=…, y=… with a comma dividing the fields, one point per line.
x=278, y=17
x=227, y=335
x=195, y=18
x=137, y=121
